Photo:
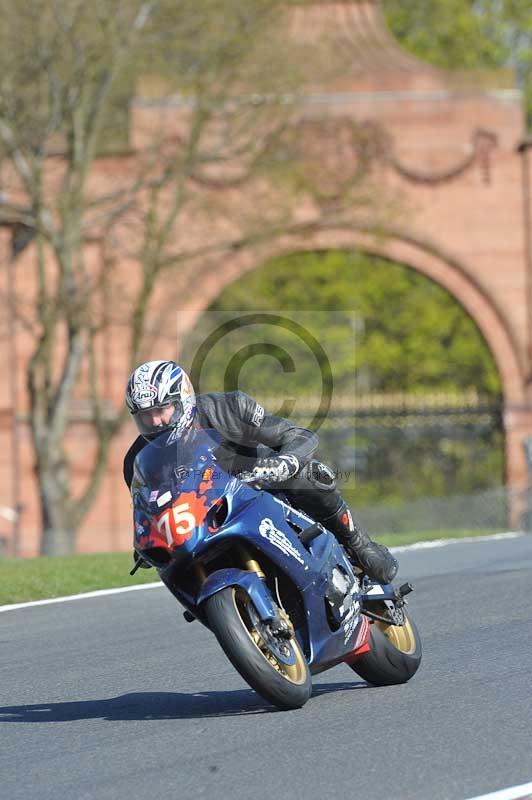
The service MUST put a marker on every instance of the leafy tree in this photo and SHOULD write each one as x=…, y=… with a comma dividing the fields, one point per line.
x=115, y=256
x=468, y=34
x=385, y=328
x=409, y=334
x=68, y=69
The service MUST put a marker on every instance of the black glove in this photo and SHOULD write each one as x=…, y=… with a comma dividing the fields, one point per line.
x=275, y=469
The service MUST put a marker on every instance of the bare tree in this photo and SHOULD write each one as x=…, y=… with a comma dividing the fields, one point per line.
x=68, y=71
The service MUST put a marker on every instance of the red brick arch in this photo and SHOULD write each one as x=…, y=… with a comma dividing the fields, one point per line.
x=436, y=264
x=442, y=268
x=447, y=147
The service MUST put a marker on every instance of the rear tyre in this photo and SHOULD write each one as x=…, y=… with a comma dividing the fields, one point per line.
x=276, y=668
x=395, y=654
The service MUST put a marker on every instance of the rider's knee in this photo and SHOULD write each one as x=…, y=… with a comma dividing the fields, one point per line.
x=320, y=475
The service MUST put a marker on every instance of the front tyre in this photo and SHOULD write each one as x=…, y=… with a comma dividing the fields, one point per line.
x=395, y=654
x=276, y=668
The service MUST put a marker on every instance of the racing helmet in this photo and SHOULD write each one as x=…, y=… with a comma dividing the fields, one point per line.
x=159, y=385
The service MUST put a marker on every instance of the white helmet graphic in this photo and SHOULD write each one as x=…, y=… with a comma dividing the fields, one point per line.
x=160, y=384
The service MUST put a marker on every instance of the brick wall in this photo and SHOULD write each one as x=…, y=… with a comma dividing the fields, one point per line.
x=465, y=230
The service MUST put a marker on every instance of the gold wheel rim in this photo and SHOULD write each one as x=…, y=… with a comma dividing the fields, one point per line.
x=401, y=636
x=295, y=673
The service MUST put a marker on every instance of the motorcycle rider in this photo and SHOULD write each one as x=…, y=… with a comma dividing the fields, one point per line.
x=160, y=397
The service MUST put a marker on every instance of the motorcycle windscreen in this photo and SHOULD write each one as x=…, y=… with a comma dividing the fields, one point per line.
x=172, y=491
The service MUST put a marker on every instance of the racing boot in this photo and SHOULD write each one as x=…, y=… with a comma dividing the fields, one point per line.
x=374, y=559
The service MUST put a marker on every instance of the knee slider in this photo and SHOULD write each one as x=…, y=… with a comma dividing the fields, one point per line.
x=321, y=476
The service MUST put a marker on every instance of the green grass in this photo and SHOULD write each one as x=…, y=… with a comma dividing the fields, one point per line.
x=395, y=539
x=54, y=576
x=22, y=580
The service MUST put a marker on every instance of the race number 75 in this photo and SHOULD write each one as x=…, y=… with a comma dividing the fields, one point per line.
x=176, y=521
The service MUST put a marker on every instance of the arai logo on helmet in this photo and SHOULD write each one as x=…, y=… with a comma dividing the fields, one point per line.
x=144, y=395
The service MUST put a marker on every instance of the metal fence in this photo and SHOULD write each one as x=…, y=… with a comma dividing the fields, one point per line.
x=411, y=463
x=492, y=510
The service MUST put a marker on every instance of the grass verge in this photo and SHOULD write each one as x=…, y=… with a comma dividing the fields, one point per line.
x=22, y=580
x=397, y=539
x=27, y=579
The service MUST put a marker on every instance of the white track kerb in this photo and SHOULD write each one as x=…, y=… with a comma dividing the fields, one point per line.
x=103, y=592
x=523, y=792
x=84, y=596
x=444, y=542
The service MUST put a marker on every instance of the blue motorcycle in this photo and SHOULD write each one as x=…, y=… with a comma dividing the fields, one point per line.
x=275, y=587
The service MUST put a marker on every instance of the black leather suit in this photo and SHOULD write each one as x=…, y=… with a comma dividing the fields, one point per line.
x=248, y=433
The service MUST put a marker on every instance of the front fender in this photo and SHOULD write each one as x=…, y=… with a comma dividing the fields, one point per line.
x=250, y=582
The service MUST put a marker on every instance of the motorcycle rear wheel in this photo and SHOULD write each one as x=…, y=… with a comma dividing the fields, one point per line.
x=232, y=619
x=395, y=654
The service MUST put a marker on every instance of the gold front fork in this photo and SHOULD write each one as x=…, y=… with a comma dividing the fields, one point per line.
x=250, y=563
x=253, y=565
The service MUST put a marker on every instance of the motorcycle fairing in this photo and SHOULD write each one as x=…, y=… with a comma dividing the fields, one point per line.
x=310, y=570
x=163, y=478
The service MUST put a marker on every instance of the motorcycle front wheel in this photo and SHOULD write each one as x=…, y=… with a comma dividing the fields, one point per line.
x=395, y=654
x=275, y=667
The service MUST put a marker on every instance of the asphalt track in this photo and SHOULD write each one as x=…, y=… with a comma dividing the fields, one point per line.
x=117, y=698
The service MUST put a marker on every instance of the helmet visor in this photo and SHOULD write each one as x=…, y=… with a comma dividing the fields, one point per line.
x=157, y=419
